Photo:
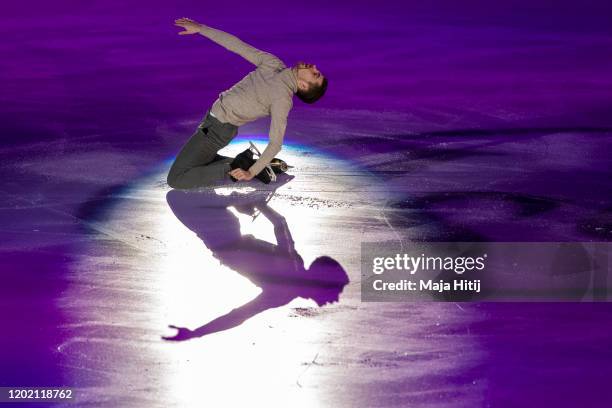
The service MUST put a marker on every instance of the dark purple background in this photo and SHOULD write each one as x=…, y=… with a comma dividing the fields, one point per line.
x=73, y=67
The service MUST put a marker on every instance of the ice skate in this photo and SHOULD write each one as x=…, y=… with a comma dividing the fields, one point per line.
x=279, y=166
x=246, y=159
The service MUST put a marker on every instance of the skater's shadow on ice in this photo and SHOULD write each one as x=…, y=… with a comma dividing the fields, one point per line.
x=277, y=269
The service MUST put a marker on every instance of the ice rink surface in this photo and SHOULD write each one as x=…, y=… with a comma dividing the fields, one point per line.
x=442, y=122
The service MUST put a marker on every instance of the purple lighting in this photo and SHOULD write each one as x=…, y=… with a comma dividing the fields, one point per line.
x=443, y=121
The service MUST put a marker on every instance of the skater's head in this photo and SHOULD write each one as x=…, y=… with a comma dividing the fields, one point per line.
x=311, y=82
x=329, y=279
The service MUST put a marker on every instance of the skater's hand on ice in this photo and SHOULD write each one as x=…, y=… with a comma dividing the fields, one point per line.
x=189, y=26
x=240, y=174
x=182, y=333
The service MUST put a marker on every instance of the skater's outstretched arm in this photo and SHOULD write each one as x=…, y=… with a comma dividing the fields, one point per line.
x=278, y=124
x=281, y=229
x=230, y=42
x=232, y=319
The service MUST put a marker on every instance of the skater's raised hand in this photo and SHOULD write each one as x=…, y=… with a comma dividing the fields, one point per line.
x=189, y=26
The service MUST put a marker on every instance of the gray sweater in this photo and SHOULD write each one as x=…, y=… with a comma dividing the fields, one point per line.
x=266, y=91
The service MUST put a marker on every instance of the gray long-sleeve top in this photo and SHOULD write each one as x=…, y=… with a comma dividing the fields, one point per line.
x=266, y=91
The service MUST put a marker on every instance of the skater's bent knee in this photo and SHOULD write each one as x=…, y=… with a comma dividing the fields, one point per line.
x=178, y=181
x=173, y=179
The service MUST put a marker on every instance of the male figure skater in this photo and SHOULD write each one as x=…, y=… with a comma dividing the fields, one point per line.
x=266, y=91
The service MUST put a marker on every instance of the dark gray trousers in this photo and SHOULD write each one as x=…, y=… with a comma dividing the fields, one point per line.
x=198, y=164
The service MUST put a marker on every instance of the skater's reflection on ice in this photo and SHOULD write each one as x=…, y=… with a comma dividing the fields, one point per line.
x=278, y=270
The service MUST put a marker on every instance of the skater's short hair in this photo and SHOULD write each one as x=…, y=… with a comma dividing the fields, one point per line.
x=327, y=280
x=313, y=93
x=328, y=272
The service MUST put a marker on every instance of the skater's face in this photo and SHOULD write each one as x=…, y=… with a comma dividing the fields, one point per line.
x=309, y=73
